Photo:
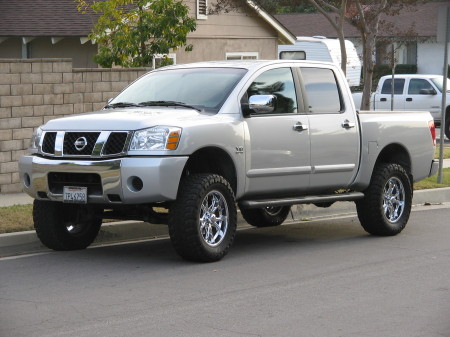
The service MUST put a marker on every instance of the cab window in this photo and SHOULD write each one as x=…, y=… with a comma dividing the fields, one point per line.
x=280, y=83
x=417, y=84
x=322, y=90
x=399, y=84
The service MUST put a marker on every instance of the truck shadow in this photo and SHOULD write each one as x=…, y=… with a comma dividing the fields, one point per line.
x=249, y=243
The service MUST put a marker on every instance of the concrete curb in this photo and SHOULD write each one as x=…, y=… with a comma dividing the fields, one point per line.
x=27, y=242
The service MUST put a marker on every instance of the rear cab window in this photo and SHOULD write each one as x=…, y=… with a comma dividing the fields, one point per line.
x=399, y=84
x=322, y=91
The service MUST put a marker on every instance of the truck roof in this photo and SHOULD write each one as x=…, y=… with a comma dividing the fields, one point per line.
x=246, y=64
x=411, y=76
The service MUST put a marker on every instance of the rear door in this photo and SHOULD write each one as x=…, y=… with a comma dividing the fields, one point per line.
x=383, y=99
x=334, y=130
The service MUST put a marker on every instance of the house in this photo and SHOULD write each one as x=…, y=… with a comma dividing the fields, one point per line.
x=55, y=29
x=424, y=51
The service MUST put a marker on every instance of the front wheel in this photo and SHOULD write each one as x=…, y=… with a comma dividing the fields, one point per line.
x=202, y=221
x=386, y=207
x=265, y=217
x=65, y=226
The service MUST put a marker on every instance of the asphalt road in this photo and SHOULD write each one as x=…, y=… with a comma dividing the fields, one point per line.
x=316, y=278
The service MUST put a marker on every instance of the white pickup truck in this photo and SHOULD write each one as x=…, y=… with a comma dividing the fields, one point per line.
x=184, y=145
x=411, y=93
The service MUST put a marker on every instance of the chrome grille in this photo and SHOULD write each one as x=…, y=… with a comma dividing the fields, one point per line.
x=48, y=145
x=70, y=138
x=115, y=143
x=93, y=144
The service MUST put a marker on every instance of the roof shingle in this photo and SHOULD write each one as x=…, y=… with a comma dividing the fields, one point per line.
x=33, y=18
x=423, y=18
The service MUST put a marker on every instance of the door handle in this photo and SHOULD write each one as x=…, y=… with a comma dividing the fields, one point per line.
x=300, y=127
x=383, y=99
x=409, y=99
x=347, y=124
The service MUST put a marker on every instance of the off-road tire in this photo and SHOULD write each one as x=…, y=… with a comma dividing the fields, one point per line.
x=385, y=209
x=57, y=226
x=265, y=217
x=190, y=239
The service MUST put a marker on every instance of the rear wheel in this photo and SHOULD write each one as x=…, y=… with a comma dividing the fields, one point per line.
x=202, y=221
x=265, y=217
x=65, y=226
x=387, y=203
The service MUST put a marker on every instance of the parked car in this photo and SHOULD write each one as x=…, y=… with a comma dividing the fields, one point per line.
x=411, y=93
x=196, y=139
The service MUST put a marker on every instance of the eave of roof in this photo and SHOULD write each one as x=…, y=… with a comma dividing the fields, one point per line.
x=284, y=35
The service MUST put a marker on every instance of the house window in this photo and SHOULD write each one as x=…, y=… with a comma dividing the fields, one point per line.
x=161, y=60
x=242, y=56
x=202, y=9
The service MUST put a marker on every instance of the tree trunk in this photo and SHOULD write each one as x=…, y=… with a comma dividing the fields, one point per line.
x=368, y=53
x=343, y=51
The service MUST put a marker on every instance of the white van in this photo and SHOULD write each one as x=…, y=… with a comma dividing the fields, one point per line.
x=319, y=48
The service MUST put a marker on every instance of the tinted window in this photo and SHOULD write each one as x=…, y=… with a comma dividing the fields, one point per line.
x=322, y=90
x=280, y=83
x=417, y=84
x=399, y=84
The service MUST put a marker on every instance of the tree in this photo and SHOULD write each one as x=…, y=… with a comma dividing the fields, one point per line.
x=130, y=32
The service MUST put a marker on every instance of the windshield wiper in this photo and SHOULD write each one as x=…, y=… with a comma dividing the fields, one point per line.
x=121, y=105
x=169, y=103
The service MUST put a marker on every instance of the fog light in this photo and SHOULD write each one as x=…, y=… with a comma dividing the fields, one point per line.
x=135, y=184
x=26, y=180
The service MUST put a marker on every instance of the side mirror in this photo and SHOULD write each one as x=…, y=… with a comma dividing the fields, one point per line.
x=260, y=104
x=427, y=92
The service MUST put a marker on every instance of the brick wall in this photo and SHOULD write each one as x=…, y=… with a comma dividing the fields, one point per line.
x=35, y=91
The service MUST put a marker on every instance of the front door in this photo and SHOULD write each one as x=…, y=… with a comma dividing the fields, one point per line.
x=279, y=159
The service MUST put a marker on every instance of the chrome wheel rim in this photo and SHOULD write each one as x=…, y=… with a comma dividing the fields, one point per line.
x=213, y=218
x=393, y=200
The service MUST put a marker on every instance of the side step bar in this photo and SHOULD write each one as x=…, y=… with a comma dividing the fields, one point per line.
x=315, y=199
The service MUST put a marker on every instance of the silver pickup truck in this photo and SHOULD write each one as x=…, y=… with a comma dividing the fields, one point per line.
x=184, y=145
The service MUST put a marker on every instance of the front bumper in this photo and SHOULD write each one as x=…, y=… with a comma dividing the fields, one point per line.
x=130, y=180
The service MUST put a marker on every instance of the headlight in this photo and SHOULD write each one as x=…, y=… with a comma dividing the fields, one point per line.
x=158, y=138
x=35, y=139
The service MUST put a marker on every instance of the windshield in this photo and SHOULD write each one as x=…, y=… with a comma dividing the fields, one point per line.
x=201, y=88
x=440, y=84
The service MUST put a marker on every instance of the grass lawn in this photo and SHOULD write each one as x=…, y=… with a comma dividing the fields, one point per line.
x=446, y=152
x=431, y=182
x=16, y=218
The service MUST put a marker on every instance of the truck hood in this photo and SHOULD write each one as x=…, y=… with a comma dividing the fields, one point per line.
x=127, y=119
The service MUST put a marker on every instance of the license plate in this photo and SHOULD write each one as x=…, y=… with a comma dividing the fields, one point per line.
x=75, y=195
